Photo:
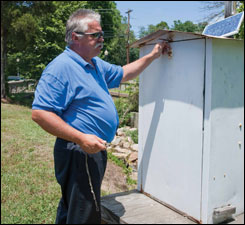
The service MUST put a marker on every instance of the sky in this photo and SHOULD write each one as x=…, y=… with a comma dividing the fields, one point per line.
x=153, y=12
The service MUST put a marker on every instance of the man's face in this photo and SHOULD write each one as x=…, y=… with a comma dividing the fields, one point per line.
x=89, y=45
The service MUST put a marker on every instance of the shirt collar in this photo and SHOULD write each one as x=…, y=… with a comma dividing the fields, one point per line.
x=78, y=58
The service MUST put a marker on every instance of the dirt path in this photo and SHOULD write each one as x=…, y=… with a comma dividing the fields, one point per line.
x=115, y=180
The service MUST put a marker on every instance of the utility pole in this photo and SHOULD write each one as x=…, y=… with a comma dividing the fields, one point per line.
x=128, y=31
x=234, y=3
x=230, y=8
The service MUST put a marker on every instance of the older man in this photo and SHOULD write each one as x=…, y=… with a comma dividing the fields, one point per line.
x=72, y=102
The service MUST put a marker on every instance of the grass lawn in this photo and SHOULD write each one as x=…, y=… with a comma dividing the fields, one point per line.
x=29, y=191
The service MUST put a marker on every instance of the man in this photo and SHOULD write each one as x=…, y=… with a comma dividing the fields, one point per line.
x=72, y=102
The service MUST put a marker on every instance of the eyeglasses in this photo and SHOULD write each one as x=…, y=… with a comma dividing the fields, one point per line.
x=96, y=35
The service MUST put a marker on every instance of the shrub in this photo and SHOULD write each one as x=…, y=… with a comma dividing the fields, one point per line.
x=126, y=105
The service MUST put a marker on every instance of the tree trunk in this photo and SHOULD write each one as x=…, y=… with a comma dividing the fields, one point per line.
x=3, y=59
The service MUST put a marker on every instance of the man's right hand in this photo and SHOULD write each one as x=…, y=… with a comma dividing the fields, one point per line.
x=160, y=49
x=92, y=144
x=54, y=125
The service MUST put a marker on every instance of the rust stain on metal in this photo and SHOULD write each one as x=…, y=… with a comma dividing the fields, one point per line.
x=170, y=36
x=170, y=39
x=141, y=189
x=141, y=45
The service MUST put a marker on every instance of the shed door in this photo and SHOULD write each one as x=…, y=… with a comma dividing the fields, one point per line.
x=170, y=127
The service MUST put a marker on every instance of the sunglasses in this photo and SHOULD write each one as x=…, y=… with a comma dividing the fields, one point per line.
x=96, y=35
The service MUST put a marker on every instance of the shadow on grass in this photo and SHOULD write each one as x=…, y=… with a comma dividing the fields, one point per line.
x=24, y=99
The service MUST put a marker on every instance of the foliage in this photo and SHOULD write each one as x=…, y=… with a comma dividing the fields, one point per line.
x=126, y=169
x=133, y=90
x=117, y=48
x=187, y=26
x=122, y=110
x=151, y=28
x=126, y=105
x=34, y=33
x=23, y=35
x=24, y=99
x=216, y=9
x=240, y=35
x=133, y=134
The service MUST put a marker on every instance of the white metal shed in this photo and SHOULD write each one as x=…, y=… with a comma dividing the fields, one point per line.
x=191, y=125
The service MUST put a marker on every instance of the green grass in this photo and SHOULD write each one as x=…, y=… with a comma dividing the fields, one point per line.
x=133, y=134
x=127, y=170
x=29, y=191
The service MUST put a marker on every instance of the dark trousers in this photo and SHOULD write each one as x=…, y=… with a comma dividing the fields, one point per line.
x=77, y=205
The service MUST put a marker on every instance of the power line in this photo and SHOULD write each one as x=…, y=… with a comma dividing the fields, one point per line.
x=104, y=12
x=106, y=9
x=114, y=36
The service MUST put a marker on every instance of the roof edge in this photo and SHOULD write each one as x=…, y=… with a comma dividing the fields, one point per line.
x=155, y=35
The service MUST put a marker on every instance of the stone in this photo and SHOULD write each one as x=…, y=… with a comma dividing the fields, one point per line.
x=120, y=132
x=133, y=129
x=122, y=150
x=133, y=157
x=116, y=140
x=110, y=149
x=126, y=144
x=135, y=147
x=120, y=155
x=129, y=139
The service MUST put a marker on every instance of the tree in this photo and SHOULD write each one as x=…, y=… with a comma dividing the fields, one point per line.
x=240, y=35
x=216, y=10
x=34, y=32
x=162, y=25
x=3, y=56
x=7, y=15
x=117, y=48
x=188, y=26
x=18, y=30
x=152, y=28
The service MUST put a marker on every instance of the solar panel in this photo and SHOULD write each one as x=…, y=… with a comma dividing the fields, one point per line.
x=226, y=27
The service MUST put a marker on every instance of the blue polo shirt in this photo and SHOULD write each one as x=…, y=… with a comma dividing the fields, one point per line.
x=78, y=93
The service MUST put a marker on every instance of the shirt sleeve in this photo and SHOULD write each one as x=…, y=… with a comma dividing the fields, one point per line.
x=51, y=95
x=113, y=75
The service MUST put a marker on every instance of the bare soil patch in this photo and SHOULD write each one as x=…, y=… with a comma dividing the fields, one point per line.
x=115, y=180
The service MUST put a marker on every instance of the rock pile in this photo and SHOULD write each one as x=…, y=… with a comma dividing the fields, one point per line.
x=124, y=148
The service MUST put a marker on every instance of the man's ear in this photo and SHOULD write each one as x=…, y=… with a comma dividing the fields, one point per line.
x=74, y=37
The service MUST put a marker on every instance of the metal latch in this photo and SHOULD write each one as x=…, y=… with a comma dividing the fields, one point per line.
x=223, y=213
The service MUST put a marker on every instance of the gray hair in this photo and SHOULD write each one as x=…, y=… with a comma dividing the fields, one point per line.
x=79, y=21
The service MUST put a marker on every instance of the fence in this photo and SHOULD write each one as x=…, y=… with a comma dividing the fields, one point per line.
x=21, y=86
x=121, y=90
